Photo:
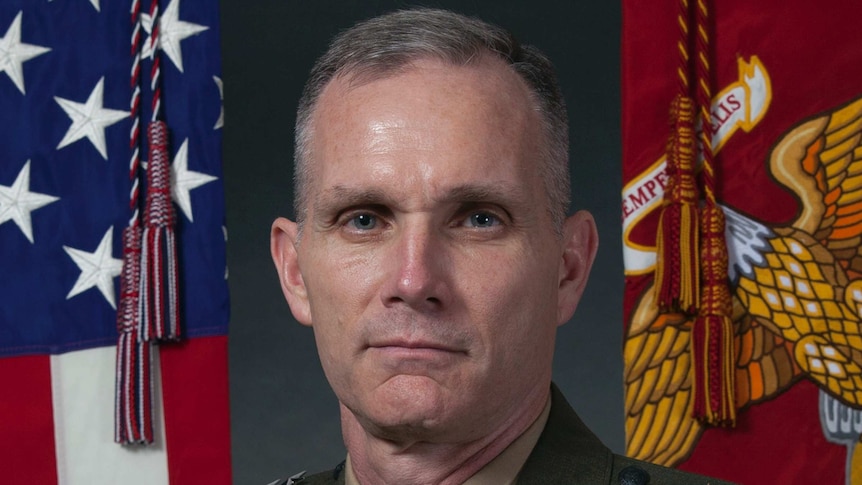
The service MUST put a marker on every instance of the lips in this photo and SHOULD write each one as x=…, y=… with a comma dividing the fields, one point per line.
x=406, y=333
x=414, y=345
x=413, y=357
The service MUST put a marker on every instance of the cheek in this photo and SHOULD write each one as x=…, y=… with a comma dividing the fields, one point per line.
x=515, y=299
x=340, y=283
x=514, y=277
x=330, y=349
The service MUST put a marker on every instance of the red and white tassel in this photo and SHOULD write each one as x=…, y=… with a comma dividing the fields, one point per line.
x=133, y=406
x=159, y=278
x=133, y=387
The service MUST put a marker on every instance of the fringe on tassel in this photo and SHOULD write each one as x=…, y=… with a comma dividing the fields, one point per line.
x=133, y=394
x=677, y=241
x=714, y=400
x=133, y=421
x=713, y=332
x=159, y=279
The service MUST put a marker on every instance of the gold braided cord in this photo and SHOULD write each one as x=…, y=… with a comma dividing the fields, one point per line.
x=677, y=240
x=713, y=331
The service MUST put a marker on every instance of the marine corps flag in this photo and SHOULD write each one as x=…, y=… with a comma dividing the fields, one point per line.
x=113, y=291
x=784, y=126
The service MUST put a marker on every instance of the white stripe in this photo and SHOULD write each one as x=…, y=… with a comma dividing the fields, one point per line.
x=83, y=398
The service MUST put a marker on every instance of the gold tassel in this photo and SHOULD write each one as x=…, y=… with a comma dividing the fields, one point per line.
x=714, y=357
x=677, y=241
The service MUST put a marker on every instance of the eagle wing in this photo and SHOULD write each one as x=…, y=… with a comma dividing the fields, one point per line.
x=658, y=397
x=820, y=160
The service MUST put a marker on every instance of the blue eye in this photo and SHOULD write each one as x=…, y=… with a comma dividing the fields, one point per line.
x=483, y=219
x=364, y=222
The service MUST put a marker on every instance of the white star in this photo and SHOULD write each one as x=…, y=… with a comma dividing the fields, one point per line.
x=13, y=53
x=90, y=119
x=16, y=202
x=171, y=31
x=97, y=268
x=184, y=180
x=220, y=120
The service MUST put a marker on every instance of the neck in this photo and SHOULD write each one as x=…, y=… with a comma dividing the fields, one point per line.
x=380, y=460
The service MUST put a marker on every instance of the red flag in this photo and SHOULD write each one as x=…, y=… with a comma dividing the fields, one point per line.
x=786, y=130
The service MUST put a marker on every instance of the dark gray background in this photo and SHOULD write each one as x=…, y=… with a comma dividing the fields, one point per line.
x=284, y=416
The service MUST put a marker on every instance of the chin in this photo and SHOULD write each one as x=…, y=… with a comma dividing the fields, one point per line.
x=407, y=407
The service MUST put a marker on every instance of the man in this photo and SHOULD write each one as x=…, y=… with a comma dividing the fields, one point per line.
x=433, y=258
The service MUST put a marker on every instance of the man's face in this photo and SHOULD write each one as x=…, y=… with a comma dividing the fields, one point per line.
x=428, y=265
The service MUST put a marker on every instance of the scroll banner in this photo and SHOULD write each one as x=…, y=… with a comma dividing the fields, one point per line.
x=740, y=105
x=787, y=130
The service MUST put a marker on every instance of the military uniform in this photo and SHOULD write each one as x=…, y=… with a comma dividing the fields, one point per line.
x=567, y=453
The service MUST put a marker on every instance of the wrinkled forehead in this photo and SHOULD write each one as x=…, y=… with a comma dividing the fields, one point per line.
x=471, y=116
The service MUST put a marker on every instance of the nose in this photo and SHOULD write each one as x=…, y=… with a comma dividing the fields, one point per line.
x=417, y=273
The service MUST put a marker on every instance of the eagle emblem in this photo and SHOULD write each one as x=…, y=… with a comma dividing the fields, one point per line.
x=797, y=302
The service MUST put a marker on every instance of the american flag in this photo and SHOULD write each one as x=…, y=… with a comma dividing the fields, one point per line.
x=66, y=106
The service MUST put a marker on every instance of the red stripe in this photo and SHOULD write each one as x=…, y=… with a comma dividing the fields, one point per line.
x=197, y=417
x=27, y=422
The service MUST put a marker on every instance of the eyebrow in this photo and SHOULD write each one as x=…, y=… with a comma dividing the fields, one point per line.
x=340, y=196
x=498, y=193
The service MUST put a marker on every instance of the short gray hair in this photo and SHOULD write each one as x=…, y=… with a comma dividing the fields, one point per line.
x=383, y=45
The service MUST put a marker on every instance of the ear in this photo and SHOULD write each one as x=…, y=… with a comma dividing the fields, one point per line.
x=283, y=244
x=580, y=243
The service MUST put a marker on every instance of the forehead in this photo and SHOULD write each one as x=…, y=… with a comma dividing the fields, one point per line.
x=443, y=123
